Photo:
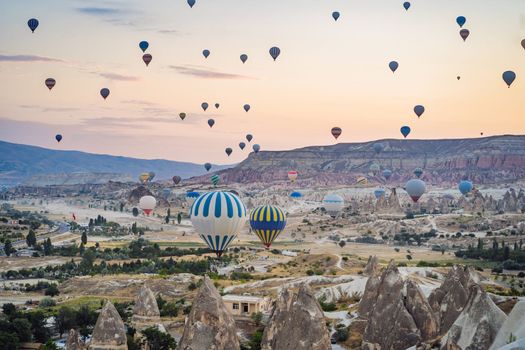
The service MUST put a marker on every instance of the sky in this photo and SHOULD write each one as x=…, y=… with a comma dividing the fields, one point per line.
x=328, y=74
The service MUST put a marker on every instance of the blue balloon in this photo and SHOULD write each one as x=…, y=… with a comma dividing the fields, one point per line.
x=32, y=24
x=380, y=192
x=418, y=172
x=256, y=148
x=275, y=52
x=419, y=110
x=143, y=45
x=296, y=194
x=242, y=145
x=336, y=15
x=104, y=93
x=405, y=130
x=387, y=173
x=406, y=5
x=267, y=221
x=465, y=187
x=378, y=147
x=207, y=166
x=509, y=77
x=192, y=194
x=461, y=21
x=58, y=137
x=244, y=58
x=206, y=53
x=191, y=3
x=393, y=66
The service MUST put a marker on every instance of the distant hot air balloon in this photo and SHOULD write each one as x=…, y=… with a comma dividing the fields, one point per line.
x=147, y=58
x=415, y=189
x=336, y=15
x=191, y=3
x=336, y=132
x=380, y=192
x=182, y=115
x=256, y=148
x=249, y=137
x=509, y=77
x=50, y=83
x=147, y=204
x=405, y=130
x=176, y=179
x=211, y=122
x=481, y=133
x=296, y=194
x=458, y=77
x=144, y=45
x=217, y=106
x=244, y=58
x=393, y=66
x=333, y=204
x=267, y=221
x=104, y=93
x=523, y=43
x=406, y=5
x=135, y=212
x=205, y=53
x=418, y=172
x=465, y=187
x=58, y=137
x=374, y=168
x=242, y=145
x=387, y=173
x=419, y=110
x=378, y=147
x=275, y=52
x=464, y=33
x=228, y=151
x=218, y=217
x=204, y=106
x=144, y=177
x=292, y=175
x=361, y=181
x=461, y=21
x=246, y=107
x=215, y=179
x=191, y=196
x=207, y=166
x=151, y=175
x=32, y=24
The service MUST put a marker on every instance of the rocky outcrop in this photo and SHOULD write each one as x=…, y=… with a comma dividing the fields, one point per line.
x=372, y=266
x=297, y=322
x=146, y=311
x=209, y=326
x=420, y=310
x=478, y=324
x=367, y=303
x=73, y=341
x=513, y=329
x=109, y=332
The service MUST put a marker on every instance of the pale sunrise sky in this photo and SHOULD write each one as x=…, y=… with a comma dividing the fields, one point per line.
x=329, y=73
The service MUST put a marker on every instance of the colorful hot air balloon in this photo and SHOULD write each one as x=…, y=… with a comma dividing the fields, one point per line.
x=246, y=107
x=182, y=116
x=461, y=21
x=418, y=172
x=104, y=93
x=215, y=179
x=378, y=147
x=374, y=168
x=393, y=66
x=464, y=33
x=405, y=130
x=249, y=137
x=176, y=179
x=419, y=110
x=336, y=132
x=147, y=204
x=387, y=173
x=50, y=83
x=58, y=137
x=256, y=148
x=191, y=196
x=211, y=122
x=204, y=106
x=380, y=192
x=191, y=3
x=336, y=15
x=205, y=53
x=144, y=177
x=228, y=151
x=509, y=77
x=218, y=217
x=415, y=189
x=143, y=45
x=147, y=58
x=292, y=175
x=244, y=58
x=275, y=52
x=361, y=181
x=465, y=187
x=151, y=175
x=333, y=204
x=32, y=24
x=296, y=194
x=406, y=5
x=217, y=106
x=207, y=166
x=267, y=221
x=242, y=145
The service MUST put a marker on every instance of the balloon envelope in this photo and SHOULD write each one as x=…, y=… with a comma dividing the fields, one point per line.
x=182, y=115
x=191, y=196
x=32, y=24
x=509, y=77
x=333, y=204
x=415, y=189
x=211, y=122
x=405, y=130
x=249, y=137
x=387, y=173
x=374, y=168
x=406, y=5
x=418, y=172
x=361, y=180
x=206, y=53
x=296, y=194
x=275, y=52
x=244, y=58
x=465, y=187
x=143, y=45
x=267, y=221
x=217, y=105
x=393, y=66
x=378, y=147
x=147, y=204
x=58, y=137
x=461, y=21
x=207, y=166
x=228, y=151
x=151, y=175
x=419, y=110
x=50, y=83
x=147, y=58
x=246, y=107
x=523, y=43
x=336, y=15
x=256, y=148
x=292, y=175
x=380, y=192
x=144, y=177
x=104, y=93
x=336, y=132
x=464, y=33
x=215, y=179
x=242, y=145
x=176, y=179
x=191, y=3
x=204, y=106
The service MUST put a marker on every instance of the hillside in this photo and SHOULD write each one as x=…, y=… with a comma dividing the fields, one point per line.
x=30, y=164
x=494, y=159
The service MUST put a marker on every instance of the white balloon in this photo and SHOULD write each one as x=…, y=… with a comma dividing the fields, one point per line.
x=333, y=204
x=415, y=189
x=147, y=204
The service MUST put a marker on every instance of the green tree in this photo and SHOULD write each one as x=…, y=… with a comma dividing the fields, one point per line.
x=83, y=239
x=50, y=345
x=9, y=309
x=48, y=247
x=23, y=329
x=65, y=319
x=121, y=206
x=134, y=228
x=82, y=249
x=88, y=259
x=8, y=247
x=179, y=218
x=52, y=290
x=31, y=238
x=158, y=340
x=168, y=216
x=409, y=257
x=8, y=341
x=257, y=318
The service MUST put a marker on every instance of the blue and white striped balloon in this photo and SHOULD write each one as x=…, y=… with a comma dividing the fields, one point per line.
x=218, y=217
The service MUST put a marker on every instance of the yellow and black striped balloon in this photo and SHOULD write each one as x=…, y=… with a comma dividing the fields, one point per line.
x=267, y=221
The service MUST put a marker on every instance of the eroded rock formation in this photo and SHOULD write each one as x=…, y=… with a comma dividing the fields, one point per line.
x=146, y=311
x=109, y=332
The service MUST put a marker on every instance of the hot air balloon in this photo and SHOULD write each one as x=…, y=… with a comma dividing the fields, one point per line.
x=296, y=194
x=205, y=53
x=419, y=110
x=147, y=204
x=374, y=168
x=465, y=187
x=523, y=43
x=246, y=107
x=461, y=21
x=147, y=58
x=50, y=83
x=204, y=106
x=275, y=52
x=58, y=137
x=144, y=177
x=464, y=33
x=191, y=3
x=418, y=172
x=151, y=175
x=228, y=151
x=405, y=130
x=333, y=204
x=191, y=196
x=292, y=175
x=215, y=179
x=336, y=132
x=32, y=24
x=176, y=179
x=458, y=77
x=244, y=58
x=509, y=77
x=256, y=148
x=387, y=173
x=336, y=15
x=378, y=147
x=217, y=106
x=182, y=115
x=361, y=181
x=104, y=93
x=207, y=166
x=242, y=145
x=406, y=5
x=135, y=212
x=380, y=192
x=415, y=189
x=211, y=122
x=249, y=137
x=143, y=45
x=218, y=217
x=267, y=221
x=393, y=66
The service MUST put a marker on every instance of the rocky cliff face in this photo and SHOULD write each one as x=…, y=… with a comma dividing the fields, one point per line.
x=297, y=322
x=512, y=328
x=209, y=326
x=109, y=332
x=372, y=266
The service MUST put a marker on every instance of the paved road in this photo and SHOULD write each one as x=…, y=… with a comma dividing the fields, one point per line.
x=59, y=228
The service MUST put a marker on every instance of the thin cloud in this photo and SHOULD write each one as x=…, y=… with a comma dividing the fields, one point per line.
x=206, y=73
x=119, y=77
x=98, y=11
x=27, y=58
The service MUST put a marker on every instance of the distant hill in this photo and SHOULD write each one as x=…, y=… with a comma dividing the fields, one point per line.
x=41, y=166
